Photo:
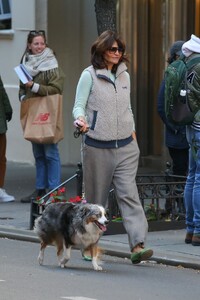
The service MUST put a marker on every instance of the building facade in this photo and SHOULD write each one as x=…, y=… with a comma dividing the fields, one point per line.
x=147, y=26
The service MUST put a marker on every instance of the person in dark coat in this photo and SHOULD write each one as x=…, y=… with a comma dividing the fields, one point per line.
x=175, y=135
x=5, y=116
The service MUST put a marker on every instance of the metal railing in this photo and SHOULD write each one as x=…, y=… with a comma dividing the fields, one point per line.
x=161, y=197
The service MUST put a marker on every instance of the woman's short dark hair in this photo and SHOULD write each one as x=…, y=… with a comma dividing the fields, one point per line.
x=103, y=43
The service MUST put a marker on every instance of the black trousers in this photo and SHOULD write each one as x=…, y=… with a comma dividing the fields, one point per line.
x=2, y=158
x=180, y=161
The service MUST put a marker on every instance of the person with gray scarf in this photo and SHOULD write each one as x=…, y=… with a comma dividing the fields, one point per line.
x=41, y=63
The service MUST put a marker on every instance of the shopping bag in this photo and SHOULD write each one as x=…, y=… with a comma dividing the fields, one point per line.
x=41, y=119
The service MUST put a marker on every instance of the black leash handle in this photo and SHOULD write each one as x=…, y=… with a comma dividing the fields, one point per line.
x=77, y=133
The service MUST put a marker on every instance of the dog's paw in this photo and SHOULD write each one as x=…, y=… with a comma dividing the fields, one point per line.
x=95, y=264
x=63, y=262
x=62, y=265
x=40, y=260
x=98, y=268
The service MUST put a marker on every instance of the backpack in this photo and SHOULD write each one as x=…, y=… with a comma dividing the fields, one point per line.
x=177, y=106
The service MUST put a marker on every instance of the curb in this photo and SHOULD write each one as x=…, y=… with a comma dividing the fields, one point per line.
x=108, y=248
x=18, y=234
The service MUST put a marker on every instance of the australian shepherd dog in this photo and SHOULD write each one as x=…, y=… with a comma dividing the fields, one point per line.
x=66, y=225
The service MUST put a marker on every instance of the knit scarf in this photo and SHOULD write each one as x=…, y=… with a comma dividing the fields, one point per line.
x=44, y=61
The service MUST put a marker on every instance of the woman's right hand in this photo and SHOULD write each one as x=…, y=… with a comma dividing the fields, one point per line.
x=29, y=84
x=81, y=124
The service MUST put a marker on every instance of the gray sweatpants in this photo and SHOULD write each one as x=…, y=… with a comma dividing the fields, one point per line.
x=103, y=167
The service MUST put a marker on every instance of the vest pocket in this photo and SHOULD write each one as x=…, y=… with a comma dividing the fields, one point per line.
x=94, y=120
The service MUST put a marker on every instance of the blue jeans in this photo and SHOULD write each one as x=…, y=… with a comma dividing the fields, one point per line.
x=48, y=168
x=192, y=188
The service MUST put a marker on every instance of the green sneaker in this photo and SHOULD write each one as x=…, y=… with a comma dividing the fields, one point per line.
x=87, y=257
x=143, y=255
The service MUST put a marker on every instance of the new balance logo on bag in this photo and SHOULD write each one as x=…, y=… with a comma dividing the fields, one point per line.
x=42, y=118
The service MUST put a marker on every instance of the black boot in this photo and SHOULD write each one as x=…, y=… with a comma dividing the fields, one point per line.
x=41, y=193
x=27, y=199
x=33, y=196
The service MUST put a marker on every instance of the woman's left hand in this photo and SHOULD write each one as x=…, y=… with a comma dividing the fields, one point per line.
x=134, y=135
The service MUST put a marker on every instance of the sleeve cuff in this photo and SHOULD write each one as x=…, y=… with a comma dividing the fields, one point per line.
x=35, y=88
x=22, y=98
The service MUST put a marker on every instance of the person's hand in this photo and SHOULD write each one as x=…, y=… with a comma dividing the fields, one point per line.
x=8, y=116
x=29, y=84
x=134, y=135
x=81, y=124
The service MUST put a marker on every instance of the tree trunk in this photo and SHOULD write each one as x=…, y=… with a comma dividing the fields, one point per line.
x=105, y=15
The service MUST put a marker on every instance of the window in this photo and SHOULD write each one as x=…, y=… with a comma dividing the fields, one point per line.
x=5, y=14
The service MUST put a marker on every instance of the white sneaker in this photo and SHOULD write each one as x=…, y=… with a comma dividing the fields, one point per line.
x=4, y=197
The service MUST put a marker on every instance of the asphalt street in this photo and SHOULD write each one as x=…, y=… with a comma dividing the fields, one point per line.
x=22, y=278
x=168, y=246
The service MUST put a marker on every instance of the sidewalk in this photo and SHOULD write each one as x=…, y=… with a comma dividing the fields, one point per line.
x=169, y=247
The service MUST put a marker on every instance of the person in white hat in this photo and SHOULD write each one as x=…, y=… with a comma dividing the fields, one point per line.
x=191, y=49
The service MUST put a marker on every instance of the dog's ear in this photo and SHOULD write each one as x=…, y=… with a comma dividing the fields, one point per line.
x=85, y=210
x=89, y=213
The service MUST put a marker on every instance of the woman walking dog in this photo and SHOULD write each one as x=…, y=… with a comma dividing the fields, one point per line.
x=103, y=112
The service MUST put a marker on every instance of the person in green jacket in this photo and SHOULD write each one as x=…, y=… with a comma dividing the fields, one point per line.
x=5, y=116
x=40, y=62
